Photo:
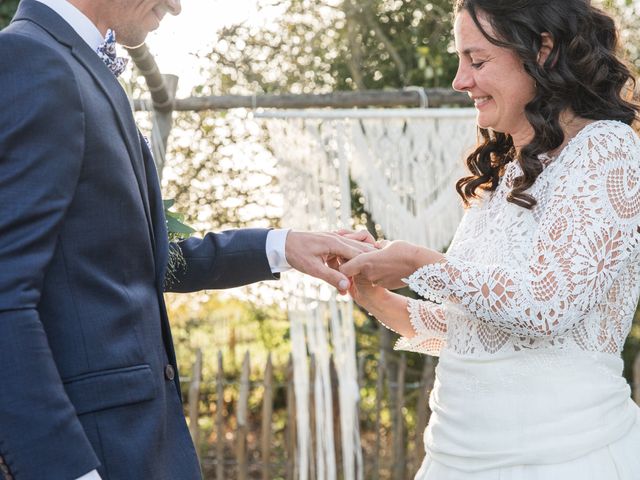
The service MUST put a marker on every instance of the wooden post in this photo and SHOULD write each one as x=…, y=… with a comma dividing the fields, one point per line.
x=267, y=412
x=337, y=430
x=194, y=399
x=220, y=437
x=162, y=124
x=312, y=417
x=375, y=474
x=423, y=412
x=242, y=418
x=399, y=465
x=163, y=91
x=361, y=364
x=290, y=433
x=636, y=379
x=435, y=97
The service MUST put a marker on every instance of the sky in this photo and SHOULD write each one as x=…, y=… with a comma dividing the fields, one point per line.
x=178, y=38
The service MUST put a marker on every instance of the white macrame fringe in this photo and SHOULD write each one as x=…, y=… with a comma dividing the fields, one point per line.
x=406, y=163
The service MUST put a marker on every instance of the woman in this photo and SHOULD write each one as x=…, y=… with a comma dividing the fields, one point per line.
x=530, y=307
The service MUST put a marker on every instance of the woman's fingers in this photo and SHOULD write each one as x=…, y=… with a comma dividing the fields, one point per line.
x=359, y=235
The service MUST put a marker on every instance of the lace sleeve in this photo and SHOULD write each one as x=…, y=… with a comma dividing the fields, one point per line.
x=428, y=322
x=587, y=234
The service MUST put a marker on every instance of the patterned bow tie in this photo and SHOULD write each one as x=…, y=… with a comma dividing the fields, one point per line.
x=107, y=52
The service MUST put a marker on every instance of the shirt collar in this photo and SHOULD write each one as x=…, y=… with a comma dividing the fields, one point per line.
x=78, y=21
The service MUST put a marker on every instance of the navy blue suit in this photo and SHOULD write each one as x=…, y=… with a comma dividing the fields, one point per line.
x=85, y=347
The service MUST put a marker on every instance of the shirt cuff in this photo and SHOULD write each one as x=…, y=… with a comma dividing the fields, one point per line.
x=92, y=475
x=275, y=246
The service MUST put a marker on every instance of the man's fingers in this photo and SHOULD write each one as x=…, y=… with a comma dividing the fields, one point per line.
x=334, y=278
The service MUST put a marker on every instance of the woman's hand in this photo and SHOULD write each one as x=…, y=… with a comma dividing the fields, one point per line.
x=362, y=236
x=367, y=295
x=387, y=266
x=359, y=235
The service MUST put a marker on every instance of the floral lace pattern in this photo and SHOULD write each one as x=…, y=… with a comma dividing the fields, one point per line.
x=564, y=275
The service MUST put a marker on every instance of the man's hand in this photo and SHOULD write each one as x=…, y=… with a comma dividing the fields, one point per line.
x=389, y=265
x=311, y=253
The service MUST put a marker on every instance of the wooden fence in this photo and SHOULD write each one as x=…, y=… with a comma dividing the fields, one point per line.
x=258, y=441
x=242, y=446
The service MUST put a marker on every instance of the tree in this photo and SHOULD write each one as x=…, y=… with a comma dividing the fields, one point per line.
x=627, y=13
x=312, y=47
x=318, y=46
x=7, y=10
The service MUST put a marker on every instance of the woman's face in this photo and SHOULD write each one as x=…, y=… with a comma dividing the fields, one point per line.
x=494, y=77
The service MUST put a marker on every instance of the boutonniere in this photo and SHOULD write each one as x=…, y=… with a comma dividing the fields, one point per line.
x=176, y=230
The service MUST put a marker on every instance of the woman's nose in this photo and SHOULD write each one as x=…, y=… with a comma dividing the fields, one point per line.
x=463, y=80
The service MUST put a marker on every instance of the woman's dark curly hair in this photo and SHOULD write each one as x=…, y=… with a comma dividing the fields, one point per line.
x=581, y=73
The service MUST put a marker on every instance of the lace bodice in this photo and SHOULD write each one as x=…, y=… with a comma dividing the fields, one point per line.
x=563, y=275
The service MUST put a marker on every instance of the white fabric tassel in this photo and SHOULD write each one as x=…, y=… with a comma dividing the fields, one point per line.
x=406, y=163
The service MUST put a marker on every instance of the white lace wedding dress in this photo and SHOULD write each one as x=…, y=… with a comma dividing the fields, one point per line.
x=529, y=312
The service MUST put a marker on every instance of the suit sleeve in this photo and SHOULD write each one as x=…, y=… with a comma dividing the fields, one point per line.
x=41, y=151
x=220, y=260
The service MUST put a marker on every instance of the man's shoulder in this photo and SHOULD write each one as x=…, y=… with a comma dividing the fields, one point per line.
x=25, y=35
x=31, y=54
x=32, y=67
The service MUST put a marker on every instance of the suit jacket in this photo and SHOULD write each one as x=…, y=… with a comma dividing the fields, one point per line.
x=88, y=377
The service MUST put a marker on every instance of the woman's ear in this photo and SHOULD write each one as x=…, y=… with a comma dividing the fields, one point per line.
x=545, y=48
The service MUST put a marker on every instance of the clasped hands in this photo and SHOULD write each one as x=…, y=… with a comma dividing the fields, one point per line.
x=353, y=261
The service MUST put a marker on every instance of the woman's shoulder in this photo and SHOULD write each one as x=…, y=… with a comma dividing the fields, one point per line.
x=604, y=141
x=605, y=131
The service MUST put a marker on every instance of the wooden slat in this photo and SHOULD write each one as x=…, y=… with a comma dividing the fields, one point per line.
x=312, y=418
x=636, y=379
x=194, y=399
x=267, y=413
x=422, y=412
x=242, y=419
x=290, y=434
x=220, y=436
x=436, y=97
x=399, y=454
x=337, y=430
x=375, y=474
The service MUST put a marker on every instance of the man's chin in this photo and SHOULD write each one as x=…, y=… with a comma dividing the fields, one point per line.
x=131, y=38
x=132, y=43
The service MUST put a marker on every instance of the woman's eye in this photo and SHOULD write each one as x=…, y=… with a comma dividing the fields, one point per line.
x=477, y=65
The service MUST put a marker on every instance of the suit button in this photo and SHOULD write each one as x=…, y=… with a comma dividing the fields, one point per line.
x=169, y=372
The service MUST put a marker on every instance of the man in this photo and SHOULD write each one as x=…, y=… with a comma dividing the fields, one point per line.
x=89, y=387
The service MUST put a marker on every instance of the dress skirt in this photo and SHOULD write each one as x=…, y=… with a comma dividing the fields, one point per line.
x=617, y=461
x=531, y=415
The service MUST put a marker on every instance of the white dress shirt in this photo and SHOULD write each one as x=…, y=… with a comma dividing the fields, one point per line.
x=85, y=28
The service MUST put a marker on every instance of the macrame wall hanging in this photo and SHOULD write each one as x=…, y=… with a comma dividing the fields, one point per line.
x=406, y=163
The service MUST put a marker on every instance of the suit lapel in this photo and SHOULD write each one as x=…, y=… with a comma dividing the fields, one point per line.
x=157, y=211
x=120, y=103
x=33, y=11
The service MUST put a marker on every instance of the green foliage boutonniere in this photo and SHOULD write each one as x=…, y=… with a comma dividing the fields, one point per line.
x=176, y=230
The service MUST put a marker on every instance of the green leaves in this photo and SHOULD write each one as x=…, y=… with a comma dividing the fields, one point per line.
x=177, y=230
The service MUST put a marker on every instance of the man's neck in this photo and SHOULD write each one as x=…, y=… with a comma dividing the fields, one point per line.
x=77, y=20
x=93, y=11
